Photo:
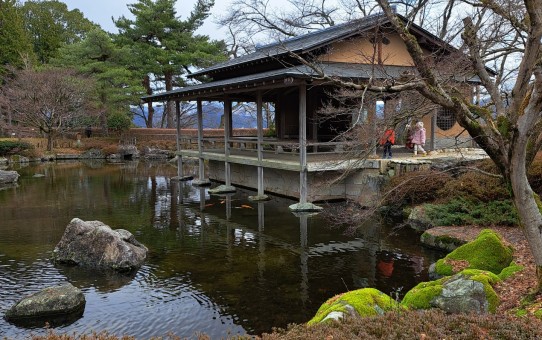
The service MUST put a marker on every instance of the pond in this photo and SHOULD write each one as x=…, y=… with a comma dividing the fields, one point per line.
x=222, y=265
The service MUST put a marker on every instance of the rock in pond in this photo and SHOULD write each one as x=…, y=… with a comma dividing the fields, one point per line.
x=8, y=177
x=93, y=244
x=49, y=304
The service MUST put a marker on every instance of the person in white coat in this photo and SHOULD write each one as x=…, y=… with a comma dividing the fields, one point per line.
x=418, y=138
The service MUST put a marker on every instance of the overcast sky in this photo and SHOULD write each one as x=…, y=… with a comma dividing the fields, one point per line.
x=101, y=11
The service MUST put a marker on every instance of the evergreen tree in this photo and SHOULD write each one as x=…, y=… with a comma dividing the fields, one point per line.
x=117, y=86
x=16, y=48
x=167, y=47
x=51, y=25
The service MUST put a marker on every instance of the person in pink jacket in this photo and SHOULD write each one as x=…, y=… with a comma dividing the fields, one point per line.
x=418, y=138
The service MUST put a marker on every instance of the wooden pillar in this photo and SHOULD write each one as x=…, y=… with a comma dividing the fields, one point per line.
x=303, y=143
x=371, y=111
x=227, y=135
x=179, y=157
x=259, y=113
x=432, y=145
x=201, y=171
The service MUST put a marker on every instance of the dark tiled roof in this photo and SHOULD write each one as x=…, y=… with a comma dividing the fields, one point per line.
x=302, y=43
x=340, y=70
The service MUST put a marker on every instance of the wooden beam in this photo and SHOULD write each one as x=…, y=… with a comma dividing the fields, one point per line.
x=201, y=171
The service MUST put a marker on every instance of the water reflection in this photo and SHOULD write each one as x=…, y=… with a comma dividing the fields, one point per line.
x=216, y=264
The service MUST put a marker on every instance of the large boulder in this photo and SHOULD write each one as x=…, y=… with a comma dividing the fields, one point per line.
x=360, y=302
x=486, y=252
x=94, y=244
x=8, y=177
x=49, y=302
x=469, y=291
x=418, y=219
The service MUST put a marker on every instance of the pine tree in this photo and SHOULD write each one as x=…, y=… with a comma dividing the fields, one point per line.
x=167, y=47
x=16, y=48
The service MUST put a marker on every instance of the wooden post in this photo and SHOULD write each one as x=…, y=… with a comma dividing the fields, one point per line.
x=303, y=143
x=201, y=173
x=227, y=135
x=179, y=157
x=433, y=128
x=260, y=141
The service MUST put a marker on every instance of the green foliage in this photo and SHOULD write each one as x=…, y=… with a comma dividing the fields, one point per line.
x=51, y=25
x=14, y=40
x=118, y=121
x=117, y=87
x=486, y=252
x=460, y=211
x=169, y=42
x=12, y=147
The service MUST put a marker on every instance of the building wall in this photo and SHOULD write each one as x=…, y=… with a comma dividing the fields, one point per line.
x=361, y=50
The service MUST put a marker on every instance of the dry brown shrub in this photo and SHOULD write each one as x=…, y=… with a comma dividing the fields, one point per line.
x=475, y=185
x=414, y=187
x=431, y=324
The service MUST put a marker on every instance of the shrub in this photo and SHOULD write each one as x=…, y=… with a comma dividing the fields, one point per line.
x=475, y=186
x=118, y=121
x=11, y=147
x=462, y=211
x=415, y=187
x=430, y=324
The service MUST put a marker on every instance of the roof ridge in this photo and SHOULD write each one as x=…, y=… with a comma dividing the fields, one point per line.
x=323, y=30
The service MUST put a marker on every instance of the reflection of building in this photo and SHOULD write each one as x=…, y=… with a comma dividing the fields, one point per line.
x=304, y=144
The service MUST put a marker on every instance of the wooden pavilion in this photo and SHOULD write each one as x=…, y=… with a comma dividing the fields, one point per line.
x=296, y=158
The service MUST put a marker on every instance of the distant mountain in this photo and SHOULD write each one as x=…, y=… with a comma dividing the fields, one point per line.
x=243, y=116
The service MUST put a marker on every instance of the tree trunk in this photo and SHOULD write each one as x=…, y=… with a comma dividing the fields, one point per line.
x=527, y=205
x=150, y=114
x=49, y=141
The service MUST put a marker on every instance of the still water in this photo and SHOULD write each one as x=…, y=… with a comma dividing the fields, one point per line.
x=216, y=264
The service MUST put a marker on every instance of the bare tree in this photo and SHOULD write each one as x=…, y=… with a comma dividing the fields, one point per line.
x=252, y=22
x=509, y=127
x=52, y=101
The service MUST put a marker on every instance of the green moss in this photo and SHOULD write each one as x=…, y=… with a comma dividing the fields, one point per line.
x=521, y=312
x=420, y=296
x=538, y=314
x=488, y=279
x=509, y=271
x=486, y=252
x=538, y=201
x=503, y=125
x=479, y=111
x=366, y=302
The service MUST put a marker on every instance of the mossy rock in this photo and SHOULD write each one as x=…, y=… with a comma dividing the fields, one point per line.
x=424, y=295
x=361, y=302
x=510, y=271
x=418, y=219
x=486, y=252
x=441, y=242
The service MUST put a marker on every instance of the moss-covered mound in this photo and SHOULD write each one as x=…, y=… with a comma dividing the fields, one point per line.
x=362, y=302
x=424, y=294
x=486, y=252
